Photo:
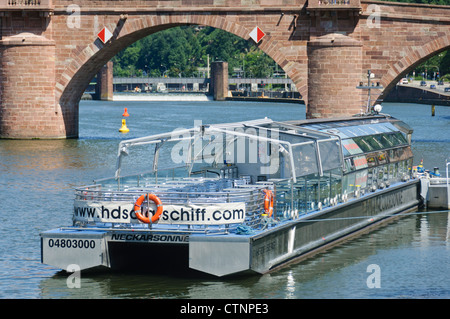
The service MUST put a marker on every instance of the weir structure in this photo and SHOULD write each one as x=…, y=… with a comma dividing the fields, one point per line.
x=50, y=49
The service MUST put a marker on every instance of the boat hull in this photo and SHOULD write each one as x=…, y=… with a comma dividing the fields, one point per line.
x=322, y=229
x=436, y=192
x=226, y=254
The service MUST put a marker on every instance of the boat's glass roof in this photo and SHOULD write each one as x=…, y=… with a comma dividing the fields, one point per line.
x=349, y=131
x=309, y=151
x=305, y=147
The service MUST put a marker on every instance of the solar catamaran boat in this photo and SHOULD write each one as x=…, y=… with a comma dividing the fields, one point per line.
x=245, y=197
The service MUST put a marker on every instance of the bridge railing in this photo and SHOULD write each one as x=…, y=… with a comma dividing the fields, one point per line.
x=25, y=4
x=334, y=4
x=175, y=80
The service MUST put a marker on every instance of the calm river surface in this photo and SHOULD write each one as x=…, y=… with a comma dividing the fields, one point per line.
x=37, y=179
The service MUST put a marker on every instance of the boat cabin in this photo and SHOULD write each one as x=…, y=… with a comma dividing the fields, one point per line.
x=232, y=174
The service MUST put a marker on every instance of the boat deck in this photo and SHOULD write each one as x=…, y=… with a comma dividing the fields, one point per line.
x=255, y=223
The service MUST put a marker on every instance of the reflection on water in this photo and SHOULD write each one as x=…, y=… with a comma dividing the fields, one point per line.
x=412, y=266
x=36, y=194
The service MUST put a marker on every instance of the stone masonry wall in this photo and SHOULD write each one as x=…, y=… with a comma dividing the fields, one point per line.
x=47, y=74
x=27, y=89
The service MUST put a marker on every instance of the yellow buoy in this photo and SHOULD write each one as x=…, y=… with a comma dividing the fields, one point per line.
x=124, y=128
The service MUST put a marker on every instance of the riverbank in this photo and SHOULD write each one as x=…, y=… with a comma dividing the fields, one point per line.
x=162, y=97
x=191, y=97
x=264, y=99
x=418, y=95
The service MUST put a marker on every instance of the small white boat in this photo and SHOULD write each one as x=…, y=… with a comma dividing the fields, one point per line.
x=435, y=189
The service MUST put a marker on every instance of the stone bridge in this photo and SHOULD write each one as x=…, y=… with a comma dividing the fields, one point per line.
x=50, y=50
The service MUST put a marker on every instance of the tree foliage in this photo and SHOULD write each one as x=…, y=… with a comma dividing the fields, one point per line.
x=181, y=51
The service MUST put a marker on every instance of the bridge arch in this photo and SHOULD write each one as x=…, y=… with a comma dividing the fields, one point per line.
x=413, y=57
x=88, y=61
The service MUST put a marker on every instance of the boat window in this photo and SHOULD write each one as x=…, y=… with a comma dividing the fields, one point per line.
x=356, y=163
x=349, y=165
x=382, y=158
x=403, y=127
x=374, y=141
x=371, y=159
x=383, y=127
x=353, y=131
x=329, y=154
x=400, y=138
x=308, y=193
x=364, y=144
x=349, y=147
x=380, y=141
x=381, y=173
x=305, y=159
x=360, y=162
x=359, y=128
x=400, y=154
x=389, y=140
x=391, y=172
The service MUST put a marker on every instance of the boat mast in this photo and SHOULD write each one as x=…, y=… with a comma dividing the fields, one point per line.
x=370, y=86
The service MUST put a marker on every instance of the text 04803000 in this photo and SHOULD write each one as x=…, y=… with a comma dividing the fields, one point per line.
x=71, y=243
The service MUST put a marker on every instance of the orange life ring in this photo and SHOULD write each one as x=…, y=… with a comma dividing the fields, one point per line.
x=268, y=202
x=137, y=208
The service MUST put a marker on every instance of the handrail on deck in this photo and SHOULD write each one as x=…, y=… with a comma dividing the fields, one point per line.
x=95, y=192
x=447, y=163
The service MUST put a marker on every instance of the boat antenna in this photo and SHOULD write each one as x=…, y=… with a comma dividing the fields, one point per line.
x=370, y=86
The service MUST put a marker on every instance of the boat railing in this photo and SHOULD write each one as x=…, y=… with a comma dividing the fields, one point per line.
x=197, y=192
x=447, y=163
x=439, y=181
x=435, y=178
x=174, y=194
x=137, y=180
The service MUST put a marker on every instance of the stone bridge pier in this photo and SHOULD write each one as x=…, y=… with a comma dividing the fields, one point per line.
x=27, y=90
x=50, y=49
x=334, y=69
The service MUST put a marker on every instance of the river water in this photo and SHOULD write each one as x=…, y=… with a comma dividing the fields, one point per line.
x=412, y=254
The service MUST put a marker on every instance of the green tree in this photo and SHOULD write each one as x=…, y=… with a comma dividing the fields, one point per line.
x=180, y=51
x=125, y=63
x=445, y=63
x=258, y=64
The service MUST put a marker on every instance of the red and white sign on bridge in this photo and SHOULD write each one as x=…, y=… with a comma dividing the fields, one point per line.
x=104, y=35
x=257, y=34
